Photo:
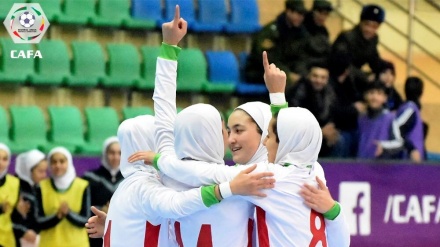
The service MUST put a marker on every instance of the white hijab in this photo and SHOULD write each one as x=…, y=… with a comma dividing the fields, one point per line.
x=8, y=151
x=300, y=137
x=64, y=181
x=25, y=162
x=261, y=114
x=136, y=134
x=104, y=161
x=198, y=134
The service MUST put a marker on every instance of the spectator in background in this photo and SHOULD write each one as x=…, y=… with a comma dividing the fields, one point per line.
x=408, y=130
x=31, y=168
x=11, y=205
x=349, y=104
x=361, y=41
x=318, y=44
x=284, y=40
x=387, y=75
x=315, y=94
x=376, y=124
x=104, y=180
x=63, y=203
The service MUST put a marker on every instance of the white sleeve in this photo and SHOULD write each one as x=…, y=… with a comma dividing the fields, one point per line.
x=168, y=203
x=197, y=173
x=165, y=105
x=338, y=233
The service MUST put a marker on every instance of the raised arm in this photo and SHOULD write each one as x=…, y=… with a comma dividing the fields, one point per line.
x=165, y=84
x=275, y=80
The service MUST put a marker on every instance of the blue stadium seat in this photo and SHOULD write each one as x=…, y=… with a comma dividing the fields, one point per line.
x=148, y=10
x=212, y=16
x=187, y=11
x=244, y=17
x=222, y=69
x=248, y=88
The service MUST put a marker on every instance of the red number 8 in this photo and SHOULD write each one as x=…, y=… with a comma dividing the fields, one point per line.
x=318, y=234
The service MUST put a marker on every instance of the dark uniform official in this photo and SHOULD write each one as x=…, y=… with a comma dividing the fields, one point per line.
x=284, y=40
x=318, y=45
x=361, y=41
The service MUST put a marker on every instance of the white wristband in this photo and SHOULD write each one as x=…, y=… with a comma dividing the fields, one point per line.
x=277, y=98
x=225, y=190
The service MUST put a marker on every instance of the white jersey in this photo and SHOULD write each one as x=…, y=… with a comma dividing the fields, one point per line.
x=225, y=224
x=282, y=217
x=281, y=228
x=138, y=207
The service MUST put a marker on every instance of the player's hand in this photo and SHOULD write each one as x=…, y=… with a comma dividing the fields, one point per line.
x=64, y=208
x=5, y=206
x=96, y=224
x=318, y=199
x=274, y=78
x=146, y=156
x=174, y=30
x=415, y=156
x=247, y=184
x=30, y=236
x=23, y=207
x=379, y=149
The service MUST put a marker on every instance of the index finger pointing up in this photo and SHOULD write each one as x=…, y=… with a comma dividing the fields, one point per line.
x=265, y=61
x=177, y=14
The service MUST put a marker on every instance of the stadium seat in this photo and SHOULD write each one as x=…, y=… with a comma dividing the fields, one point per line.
x=187, y=11
x=192, y=70
x=150, y=10
x=149, y=57
x=54, y=67
x=123, y=66
x=14, y=70
x=51, y=8
x=102, y=122
x=212, y=16
x=5, y=7
x=116, y=13
x=88, y=64
x=223, y=72
x=28, y=129
x=67, y=128
x=131, y=112
x=4, y=127
x=244, y=17
x=78, y=12
x=247, y=88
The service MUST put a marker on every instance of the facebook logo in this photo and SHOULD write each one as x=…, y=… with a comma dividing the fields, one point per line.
x=355, y=198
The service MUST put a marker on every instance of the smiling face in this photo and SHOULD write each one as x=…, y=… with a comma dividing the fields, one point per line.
x=271, y=141
x=58, y=164
x=244, y=136
x=375, y=98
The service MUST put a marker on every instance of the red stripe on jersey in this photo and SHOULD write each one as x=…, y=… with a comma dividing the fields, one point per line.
x=250, y=231
x=263, y=233
x=318, y=234
x=178, y=233
x=107, y=234
x=205, y=236
x=151, y=235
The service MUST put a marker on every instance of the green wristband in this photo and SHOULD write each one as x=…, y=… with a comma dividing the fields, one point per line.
x=155, y=160
x=276, y=108
x=208, y=195
x=170, y=52
x=333, y=212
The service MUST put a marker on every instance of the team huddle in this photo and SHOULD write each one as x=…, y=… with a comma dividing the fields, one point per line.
x=177, y=190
